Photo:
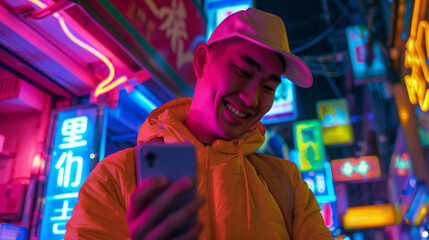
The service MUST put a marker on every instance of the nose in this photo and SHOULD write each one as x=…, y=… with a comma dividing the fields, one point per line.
x=250, y=95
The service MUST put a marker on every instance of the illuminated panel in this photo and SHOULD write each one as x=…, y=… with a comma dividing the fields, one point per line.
x=71, y=157
x=352, y=169
x=320, y=182
x=357, y=39
x=10, y=231
x=416, y=59
x=329, y=214
x=284, y=106
x=402, y=164
x=217, y=11
x=418, y=208
x=369, y=216
x=335, y=118
x=308, y=142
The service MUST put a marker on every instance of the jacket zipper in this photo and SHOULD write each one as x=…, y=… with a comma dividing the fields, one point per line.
x=210, y=195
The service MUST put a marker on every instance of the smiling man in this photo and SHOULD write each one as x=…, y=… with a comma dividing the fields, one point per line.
x=238, y=73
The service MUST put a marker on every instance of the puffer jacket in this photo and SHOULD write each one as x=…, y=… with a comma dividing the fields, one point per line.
x=238, y=203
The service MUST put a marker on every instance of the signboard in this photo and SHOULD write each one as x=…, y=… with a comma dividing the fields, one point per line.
x=13, y=232
x=320, y=182
x=335, y=118
x=165, y=25
x=308, y=142
x=74, y=148
x=284, y=106
x=161, y=35
x=329, y=214
x=416, y=57
x=218, y=10
x=354, y=169
x=368, y=66
x=370, y=216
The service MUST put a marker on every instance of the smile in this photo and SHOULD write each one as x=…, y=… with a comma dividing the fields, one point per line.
x=235, y=111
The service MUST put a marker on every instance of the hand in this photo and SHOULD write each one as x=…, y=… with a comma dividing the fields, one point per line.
x=149, y=203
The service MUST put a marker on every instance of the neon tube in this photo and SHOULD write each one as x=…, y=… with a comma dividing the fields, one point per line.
x=106, y=84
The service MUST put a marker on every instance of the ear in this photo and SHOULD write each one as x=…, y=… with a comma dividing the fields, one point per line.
x=200, y=60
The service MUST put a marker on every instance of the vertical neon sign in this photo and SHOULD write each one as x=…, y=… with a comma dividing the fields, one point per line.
x=308, y=141
x=71, y=157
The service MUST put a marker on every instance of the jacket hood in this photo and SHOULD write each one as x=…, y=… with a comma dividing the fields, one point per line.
x=165, y=123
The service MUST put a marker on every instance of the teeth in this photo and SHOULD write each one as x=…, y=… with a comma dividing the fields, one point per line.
x=235, y=111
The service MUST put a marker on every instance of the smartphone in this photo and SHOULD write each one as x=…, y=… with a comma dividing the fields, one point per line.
x=173, y=161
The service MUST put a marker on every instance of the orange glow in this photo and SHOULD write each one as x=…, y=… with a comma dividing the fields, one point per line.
x=105, y=85
x=421, y=215
x=369, y=216
x=415, y=58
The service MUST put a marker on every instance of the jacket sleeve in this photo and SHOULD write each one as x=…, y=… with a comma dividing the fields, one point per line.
x=100, y=211
x=308, y=223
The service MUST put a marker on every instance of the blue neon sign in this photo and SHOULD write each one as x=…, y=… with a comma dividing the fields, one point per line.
x=321, y=183
x=71, y=157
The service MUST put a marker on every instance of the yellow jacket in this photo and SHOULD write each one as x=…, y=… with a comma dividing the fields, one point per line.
x=238, y=203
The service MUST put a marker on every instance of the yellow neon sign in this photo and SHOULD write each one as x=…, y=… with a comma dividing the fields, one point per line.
x=415, y=58
x=369, y=216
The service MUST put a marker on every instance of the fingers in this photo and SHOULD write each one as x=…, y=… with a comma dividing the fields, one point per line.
x=192, y=233
x=153, y=211
x=178, y=219
x=144, y=192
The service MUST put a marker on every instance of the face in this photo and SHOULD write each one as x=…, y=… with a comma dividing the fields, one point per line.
x=236, y=83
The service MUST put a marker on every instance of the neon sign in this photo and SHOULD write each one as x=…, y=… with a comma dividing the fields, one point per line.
x=352, y=169
x=321, y=184
x=108, y=83
x=335, y=118
x=369, y=216
x=364, y=70
x=329, y=214
x=73, y=151
x=284, y=105
x=308, y=141
x=416, y=59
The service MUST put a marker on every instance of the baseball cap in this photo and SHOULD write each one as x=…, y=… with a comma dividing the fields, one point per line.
x=266, y=30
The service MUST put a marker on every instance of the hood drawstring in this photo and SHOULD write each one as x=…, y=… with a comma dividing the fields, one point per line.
x=241, y=155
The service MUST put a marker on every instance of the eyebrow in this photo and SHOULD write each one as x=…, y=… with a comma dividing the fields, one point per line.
x=254, y=63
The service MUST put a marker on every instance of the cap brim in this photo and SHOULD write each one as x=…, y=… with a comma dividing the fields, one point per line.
x=296, y=71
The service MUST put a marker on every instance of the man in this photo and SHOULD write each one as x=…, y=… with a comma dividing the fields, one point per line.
x=238, y=71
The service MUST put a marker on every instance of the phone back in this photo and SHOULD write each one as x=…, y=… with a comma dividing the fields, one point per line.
x=173, y=161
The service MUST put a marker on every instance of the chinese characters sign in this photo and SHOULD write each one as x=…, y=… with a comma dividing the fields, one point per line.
x=336, y=126
x=71, y=157
x=416, y=58
x=367, y=65
x=284, y=105
x=308, y=142
x=353, y=169
x=172, y=27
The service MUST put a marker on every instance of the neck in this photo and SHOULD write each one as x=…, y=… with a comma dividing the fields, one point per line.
x=198, y=130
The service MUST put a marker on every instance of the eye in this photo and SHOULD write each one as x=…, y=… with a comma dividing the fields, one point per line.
x=269, y=89
x=242, y=73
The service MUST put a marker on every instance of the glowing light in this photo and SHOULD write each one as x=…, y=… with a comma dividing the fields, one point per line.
x=421, y=215
x=415, y=58
x=425, y=234
x=369, y=216
x=106, y=84
x=308, y=141
x=350, y=169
